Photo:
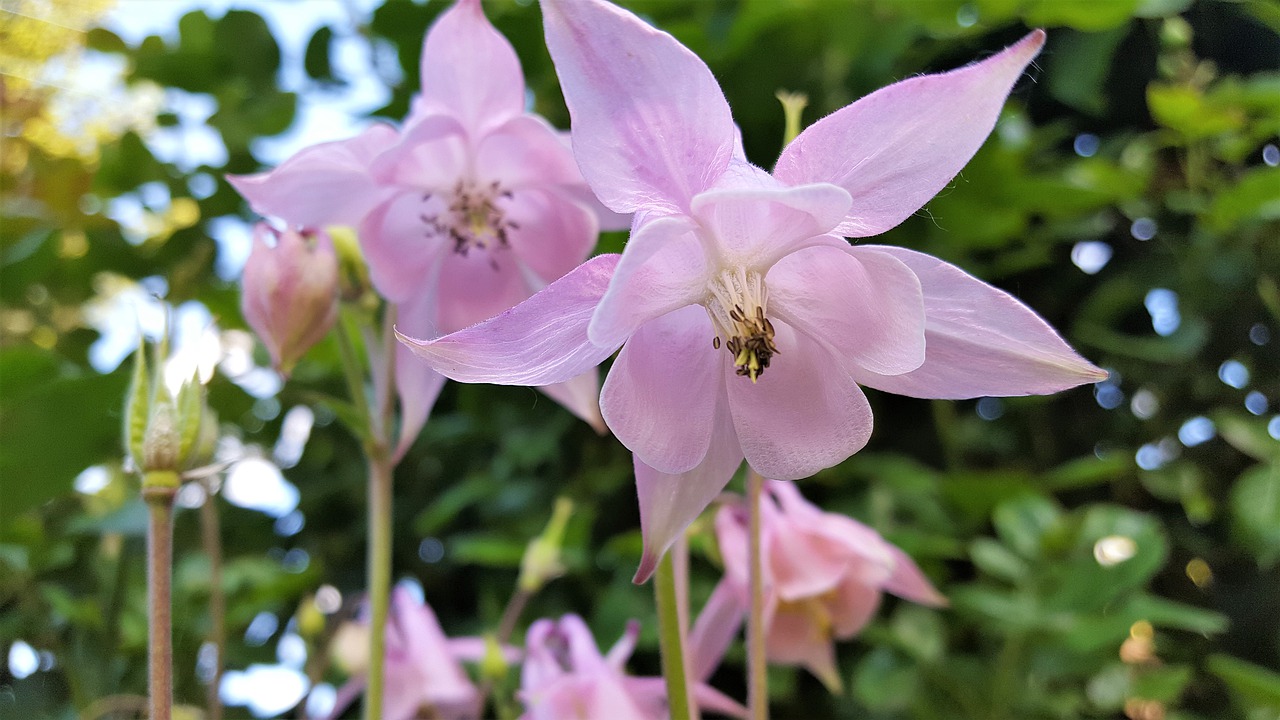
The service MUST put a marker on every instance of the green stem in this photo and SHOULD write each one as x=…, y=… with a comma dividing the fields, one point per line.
x=159, y=490
x=757, y=670
x=671, y=639
x=211, y=539
x=379, y=578
x=351, y=371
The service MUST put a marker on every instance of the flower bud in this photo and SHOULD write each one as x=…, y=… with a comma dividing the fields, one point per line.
x=164, y=434
x=541, y=562
x=289, y=292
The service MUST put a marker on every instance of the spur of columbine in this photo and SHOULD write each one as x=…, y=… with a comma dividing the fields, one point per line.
x=746, y=321
x=467, y=209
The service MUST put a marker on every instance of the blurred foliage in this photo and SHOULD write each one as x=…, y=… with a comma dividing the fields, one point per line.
x=1109, y=554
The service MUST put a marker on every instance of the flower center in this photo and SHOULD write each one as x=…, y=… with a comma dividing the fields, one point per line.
x=736, y=301
x=472, y=217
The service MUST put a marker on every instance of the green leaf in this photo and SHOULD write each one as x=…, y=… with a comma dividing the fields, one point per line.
x=317, y=61
x=1253, y=199
x=1023, y=523
x=1257, y=685
x=885, y=682
x=1163, y=683
x=1255, y=510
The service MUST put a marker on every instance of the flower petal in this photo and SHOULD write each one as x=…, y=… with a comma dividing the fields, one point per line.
x=796, y=638
x=553, y=234
x=852, y=607
x=907, y=581
x=526, y=152
x=663, y=268
x=580, y=396
x=541, y=341
x=669, y=503
x=715, y=629
x=402, y=251
x=325, y=184
x=755, y=227
x=896, y=148
x=805, y=413
x=866, y=309
x=650, y=124
x=661, y=395
x=478, y=285
x=417, y=385
x=980, y=341
x=469, y=70
x=431, y=156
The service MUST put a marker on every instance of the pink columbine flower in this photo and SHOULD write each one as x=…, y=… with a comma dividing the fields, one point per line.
x=566, y=678
x=423, y=672
x=746, y=321
x=823, y=576
x=468, y=209
x=289, y=291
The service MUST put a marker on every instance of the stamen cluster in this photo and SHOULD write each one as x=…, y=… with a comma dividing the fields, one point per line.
x=736, y=303
x=473, y=218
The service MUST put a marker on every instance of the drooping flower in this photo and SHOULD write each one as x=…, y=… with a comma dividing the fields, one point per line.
x=423, y=670
x=823, y=576
x=289, y=291
x=746, y=321
x=566, y=678
x=468, y=209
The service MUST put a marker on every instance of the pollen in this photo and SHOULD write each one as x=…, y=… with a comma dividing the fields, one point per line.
x=472, y=217
x=736, y=302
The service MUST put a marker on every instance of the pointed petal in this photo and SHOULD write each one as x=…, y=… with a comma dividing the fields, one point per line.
x=650, y=695
x=980, y=341
x=805, y=413
x=712, y=700
x=866, y=309
x=553, y=234
x=755, y=227
x=669, y=503
x=663, y=268
x=661, y=394
x=469, y=70
x=580, y=396
x=794, y=639
x=907, y=581
x=896, y=148
x=417, y=385
x=541, y=341
x=325, y=184
x=715, y=629
x=584, y=654
x=621, y=651
x=402, y=252
x=650, y=124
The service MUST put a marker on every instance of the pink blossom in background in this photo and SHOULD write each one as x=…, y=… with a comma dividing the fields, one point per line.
x=423, y=672
x=566, y=678
x=289, y=292
x=823, y=576
x=746, y=321
x=469, y=208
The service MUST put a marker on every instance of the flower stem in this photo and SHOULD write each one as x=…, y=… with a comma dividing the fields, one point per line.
x=757, y=672
x=211, y=539
x=159, y=490
x=671, y=639
x=379, y=578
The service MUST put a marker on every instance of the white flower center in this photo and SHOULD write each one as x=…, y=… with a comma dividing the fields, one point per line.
x=737, y=300
x=472, y=217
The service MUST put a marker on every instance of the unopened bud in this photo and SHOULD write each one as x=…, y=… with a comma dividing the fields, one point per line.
x=541, y=561
x=289, y=291
x=493, y=666
x=165, y=435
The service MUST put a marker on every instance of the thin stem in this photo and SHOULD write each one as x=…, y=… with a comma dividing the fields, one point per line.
x=379, y=577
x=757, y=672
x=511, y=614
x=159, y=497
x=671, y=639
x=211, y=539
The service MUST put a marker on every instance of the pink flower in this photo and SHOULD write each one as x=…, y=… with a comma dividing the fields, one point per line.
x=470, y=208
x=422, y=667
x=823, y=575
x=566, y=678
x=289, y=292
x=746, y=321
